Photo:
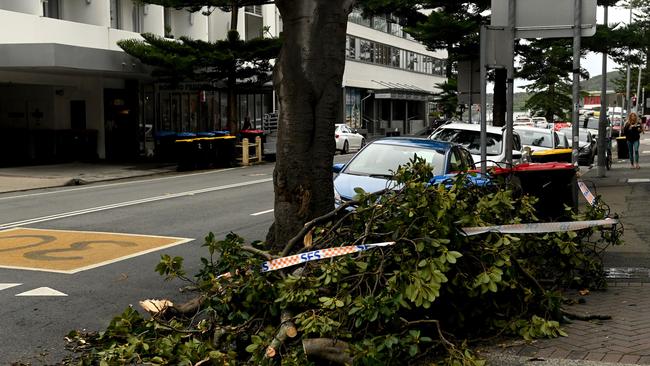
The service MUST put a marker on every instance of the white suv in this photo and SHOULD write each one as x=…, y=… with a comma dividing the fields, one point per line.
x=469, y=136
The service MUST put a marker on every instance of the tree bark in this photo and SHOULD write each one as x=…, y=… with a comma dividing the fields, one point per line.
x=499, y=101
x=308, y=79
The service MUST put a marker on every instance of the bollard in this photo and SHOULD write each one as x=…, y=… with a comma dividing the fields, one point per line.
x=245, y=153
x=258, y=149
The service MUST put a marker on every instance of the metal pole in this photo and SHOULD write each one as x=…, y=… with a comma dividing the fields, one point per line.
x=512, y=22
x=628, y=97
x=602, y=121
x=577, y=17
x=638, y=91
x=471, y=92
x=483, y=100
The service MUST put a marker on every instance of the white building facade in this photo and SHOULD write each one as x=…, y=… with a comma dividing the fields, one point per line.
x=68, y=92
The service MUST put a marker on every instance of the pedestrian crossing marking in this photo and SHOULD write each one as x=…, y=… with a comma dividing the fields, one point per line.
x=68, y=251
x=4, y=286
x=42, y=291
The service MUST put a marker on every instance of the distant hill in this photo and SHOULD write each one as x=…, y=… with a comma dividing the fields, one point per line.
x=593, y=84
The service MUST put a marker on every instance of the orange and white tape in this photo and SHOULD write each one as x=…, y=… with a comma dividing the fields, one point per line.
x=315, y=255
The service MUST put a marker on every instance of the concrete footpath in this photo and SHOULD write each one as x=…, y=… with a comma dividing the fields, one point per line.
x=623, y=339
x=57, y=175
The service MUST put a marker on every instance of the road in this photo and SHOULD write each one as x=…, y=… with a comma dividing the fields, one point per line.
x=185, y=206
x=42, y=299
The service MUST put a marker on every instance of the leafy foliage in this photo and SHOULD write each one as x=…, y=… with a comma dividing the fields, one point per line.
x=425, y=299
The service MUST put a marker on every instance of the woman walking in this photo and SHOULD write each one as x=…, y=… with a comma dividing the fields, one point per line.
x=632, y=131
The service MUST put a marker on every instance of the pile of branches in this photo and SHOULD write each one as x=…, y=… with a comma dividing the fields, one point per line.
x=426, y=299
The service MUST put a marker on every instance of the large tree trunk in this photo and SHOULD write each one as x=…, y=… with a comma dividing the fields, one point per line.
x=499, y=101
x=307, y=76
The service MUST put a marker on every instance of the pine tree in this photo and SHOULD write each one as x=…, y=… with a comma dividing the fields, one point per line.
x=232, y=61
x=547, y=64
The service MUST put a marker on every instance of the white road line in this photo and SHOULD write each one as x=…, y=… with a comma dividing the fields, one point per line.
x=638, y=180
x=645, y=152
x=128, y=203
x=42, y=291
x=114, y=184
x=262, y=212
x=4, y=286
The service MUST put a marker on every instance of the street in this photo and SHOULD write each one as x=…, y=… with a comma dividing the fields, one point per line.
x=41, y=304
x=182, y=206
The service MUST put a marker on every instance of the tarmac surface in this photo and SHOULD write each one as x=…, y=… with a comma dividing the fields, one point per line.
x=622, y=340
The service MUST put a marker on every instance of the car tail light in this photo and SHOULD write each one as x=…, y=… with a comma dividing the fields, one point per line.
x=336, y=136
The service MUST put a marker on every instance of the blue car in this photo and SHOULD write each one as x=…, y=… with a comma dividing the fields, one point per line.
x=372, y=167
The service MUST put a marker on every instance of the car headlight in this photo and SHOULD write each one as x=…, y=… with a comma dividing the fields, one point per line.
x=337, y=198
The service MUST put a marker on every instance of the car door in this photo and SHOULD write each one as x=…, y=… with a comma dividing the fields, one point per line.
x=354, y=138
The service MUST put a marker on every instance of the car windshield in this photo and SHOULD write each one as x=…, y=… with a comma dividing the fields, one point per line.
x=381, y=159
x=592, y=123
x=569, y=132
x=471, y=140
x=535, y=138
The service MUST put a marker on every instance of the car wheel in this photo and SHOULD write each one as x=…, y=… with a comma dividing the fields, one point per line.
x=346, y=147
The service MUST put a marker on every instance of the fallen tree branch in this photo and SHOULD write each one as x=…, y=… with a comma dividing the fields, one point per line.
x=328, y=349
x=309, y=225
x=259, y=252
x=287, y=330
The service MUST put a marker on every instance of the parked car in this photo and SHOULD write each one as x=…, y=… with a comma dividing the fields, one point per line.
x=372, y=167
x=592, y=125
x=544, y=144
x=541, y=122
x=347, y=138
x=469, y=136
x=587, y=145
x=538, y=139
x=523, y=121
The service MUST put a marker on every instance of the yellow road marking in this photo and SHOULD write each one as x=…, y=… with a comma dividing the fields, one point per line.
x=66, y=251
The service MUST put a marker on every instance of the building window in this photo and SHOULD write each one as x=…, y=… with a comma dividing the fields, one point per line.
x=254, y=25
x=138, y=18
x=115, y=14
x=167, y=21
x=382, y=54
x=380, y=24
x=253, y=9
x=365, y=50
x=52, y=9
x=351, y=48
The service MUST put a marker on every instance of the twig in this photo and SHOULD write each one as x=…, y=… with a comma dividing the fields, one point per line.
x=308, y=226
x=259, y=252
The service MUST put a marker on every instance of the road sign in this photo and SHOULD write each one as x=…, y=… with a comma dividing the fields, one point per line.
x=545, y=18
x=469, y=81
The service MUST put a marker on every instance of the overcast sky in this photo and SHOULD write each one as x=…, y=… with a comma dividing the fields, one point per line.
x=593, y=61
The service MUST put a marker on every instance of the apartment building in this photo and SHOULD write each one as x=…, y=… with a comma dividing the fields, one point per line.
x=68, y=92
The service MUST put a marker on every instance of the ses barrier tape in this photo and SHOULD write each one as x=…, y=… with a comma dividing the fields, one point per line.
x=537, y=228
x=292, y=260
x=587, y=193
x=532, y=228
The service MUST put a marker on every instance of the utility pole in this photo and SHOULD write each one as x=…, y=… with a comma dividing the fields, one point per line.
x=602, y=121
x=577, y=22
x=638, y=92
x=628, y=97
